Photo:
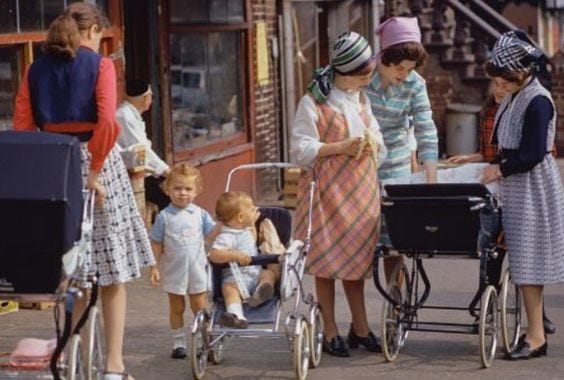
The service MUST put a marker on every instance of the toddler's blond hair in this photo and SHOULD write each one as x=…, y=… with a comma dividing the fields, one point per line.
x=230, y=204
x=185, y=170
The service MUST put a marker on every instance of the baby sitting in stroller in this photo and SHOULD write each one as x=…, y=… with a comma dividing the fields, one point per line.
x=237, y=243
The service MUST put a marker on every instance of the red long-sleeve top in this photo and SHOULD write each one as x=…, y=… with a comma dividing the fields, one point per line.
x=104, y=132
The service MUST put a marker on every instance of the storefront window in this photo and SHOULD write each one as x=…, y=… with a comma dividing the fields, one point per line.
x=33, y=15
x=204, y=12
x=8, y=85
x=205, y=88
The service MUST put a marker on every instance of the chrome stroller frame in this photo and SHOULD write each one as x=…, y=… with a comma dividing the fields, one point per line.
x=303, y=329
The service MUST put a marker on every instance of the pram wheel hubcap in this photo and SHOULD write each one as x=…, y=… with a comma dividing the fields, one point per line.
x=315, y=335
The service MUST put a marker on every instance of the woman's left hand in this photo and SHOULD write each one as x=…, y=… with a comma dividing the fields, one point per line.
x=491, y=173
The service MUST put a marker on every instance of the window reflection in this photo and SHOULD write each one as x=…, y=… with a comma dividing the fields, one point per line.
x=204, y=89
x=207, y=11
x=31, y=15
x=8, y=85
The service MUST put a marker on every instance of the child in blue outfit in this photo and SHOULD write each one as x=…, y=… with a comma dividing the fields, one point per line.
x=177, y=239
x=237, y=243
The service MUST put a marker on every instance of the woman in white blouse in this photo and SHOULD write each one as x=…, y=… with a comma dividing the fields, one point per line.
x=337, y=140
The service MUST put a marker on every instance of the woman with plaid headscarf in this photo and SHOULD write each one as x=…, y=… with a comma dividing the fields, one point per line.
x=530, y=185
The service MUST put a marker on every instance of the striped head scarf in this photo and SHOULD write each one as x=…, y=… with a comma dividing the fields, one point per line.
x=512, y=53
x=350, y=54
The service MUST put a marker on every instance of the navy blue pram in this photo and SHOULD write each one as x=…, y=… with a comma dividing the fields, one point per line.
x=41, y=207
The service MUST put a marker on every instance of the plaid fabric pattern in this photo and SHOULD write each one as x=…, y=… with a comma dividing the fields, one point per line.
x=487, y=149
x=346, y=207
x=512, y=53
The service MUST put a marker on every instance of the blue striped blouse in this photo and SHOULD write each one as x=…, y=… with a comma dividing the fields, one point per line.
x=393, y=108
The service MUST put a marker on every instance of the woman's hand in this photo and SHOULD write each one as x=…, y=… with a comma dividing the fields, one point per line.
x=351, y=147
x=92, y=183
x=491, y=173
x=465, y=158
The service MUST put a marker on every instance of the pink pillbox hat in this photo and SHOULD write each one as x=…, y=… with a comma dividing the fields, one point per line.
x=396, y=30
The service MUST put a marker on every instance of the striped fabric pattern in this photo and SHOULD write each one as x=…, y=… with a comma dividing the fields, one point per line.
x=346, y=208
x=392, y=108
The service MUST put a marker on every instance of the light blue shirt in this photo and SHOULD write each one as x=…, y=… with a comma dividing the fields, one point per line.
x=392, y=107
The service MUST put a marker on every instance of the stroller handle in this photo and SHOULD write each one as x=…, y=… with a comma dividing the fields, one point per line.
x=261, y=165
x=256, y=260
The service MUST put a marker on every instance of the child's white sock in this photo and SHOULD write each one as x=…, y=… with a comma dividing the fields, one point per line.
x=237, y=309
x=179, y=338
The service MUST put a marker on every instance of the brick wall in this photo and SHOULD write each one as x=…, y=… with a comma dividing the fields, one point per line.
x=558, y=97
x=267, y=104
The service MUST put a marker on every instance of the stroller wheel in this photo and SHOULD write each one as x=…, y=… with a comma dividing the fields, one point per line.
x=199, y=345
x=216, y=352
x=315, y=335
x=488, y=326
x=95, y=358
x=510, y=312
x=301, y=349
x=75, y=370
x=393, y=326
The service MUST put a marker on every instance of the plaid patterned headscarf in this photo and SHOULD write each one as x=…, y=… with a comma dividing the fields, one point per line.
x=350, y=54
x=512, y=53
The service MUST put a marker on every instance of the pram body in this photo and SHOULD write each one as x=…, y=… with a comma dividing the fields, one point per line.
x=443, y=220
x=302, y=326
x=45, y=234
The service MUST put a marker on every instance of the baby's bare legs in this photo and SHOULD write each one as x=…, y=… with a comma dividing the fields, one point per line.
x=230, y=293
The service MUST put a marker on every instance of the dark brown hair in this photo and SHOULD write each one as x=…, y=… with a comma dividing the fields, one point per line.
x=511, y=76
x=411, y=51
x=63, y=37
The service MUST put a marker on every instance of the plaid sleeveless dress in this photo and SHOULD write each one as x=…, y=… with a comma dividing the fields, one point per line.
x=346, y=206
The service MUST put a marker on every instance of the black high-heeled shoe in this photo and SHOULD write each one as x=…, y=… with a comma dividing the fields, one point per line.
x=524, y=351
x=371, y=343
x=336, y=347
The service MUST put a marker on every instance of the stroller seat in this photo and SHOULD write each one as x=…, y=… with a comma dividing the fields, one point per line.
x=266, y=312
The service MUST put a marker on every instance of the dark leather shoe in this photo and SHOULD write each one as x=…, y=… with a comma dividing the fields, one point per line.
x=524, y=351
x=549, y=326
x=336, y=347
x=371, y=343
x=178, y=353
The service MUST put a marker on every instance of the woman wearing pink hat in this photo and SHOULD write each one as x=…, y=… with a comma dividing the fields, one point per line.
x=397, y=93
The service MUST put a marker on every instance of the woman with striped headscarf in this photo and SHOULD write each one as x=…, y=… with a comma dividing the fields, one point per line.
x=530, y=185
x=338, y=141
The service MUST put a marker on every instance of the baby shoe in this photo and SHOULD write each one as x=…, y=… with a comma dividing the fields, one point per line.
x=231, y=320
x=263, y=293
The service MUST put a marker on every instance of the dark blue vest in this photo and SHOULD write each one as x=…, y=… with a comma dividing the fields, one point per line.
x=64, y=90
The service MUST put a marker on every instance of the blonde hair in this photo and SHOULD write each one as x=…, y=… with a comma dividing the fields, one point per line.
x=186, y=171
x=230, y=204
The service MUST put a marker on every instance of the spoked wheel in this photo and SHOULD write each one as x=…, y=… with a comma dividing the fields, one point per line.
x=488, y=326
x=199, y=345
x=315, y=335
x=216, y=351
x=393, y=329
x=301, y=349
x=510, y=312
x=75, y=369
x=95, y=358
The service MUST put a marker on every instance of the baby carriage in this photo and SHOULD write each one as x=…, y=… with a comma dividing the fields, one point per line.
x=302, y=325
x=444, y=220
x=45, y=234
